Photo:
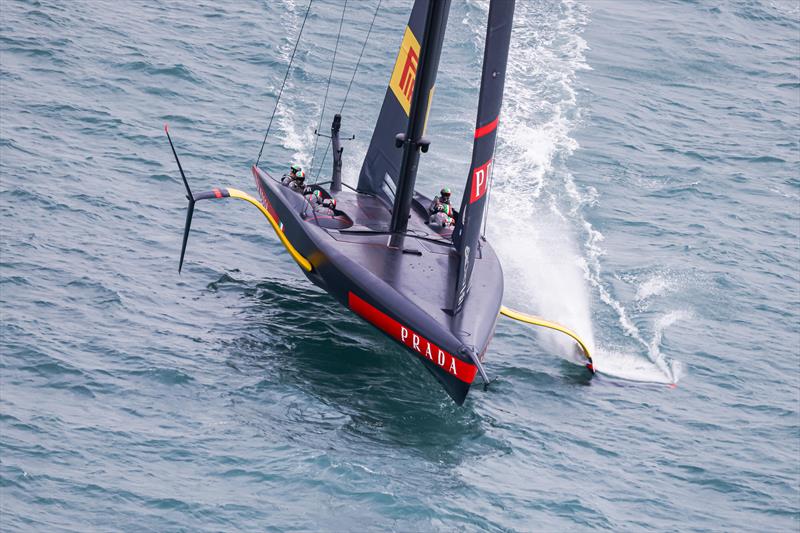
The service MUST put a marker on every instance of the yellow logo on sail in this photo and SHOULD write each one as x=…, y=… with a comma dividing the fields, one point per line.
x=405, y=70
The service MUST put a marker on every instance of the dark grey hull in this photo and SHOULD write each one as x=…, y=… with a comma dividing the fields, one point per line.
x=402, y=292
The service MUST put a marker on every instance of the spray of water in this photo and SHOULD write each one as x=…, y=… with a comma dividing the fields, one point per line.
x=536, y=212
x=295, y=134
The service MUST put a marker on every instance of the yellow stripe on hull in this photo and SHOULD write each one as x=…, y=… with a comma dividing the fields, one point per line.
x=302, y=261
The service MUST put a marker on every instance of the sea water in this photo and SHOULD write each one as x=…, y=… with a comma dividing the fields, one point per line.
x=646, y=194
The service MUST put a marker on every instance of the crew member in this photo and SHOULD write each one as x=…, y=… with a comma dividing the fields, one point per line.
x=292, y=175
x=328, y=206
x=442, y=199
x=443, y=217
x=299, y=182
x=441, y=220
x=325, y=206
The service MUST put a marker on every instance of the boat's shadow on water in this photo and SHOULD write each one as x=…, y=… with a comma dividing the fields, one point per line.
x=301, y=338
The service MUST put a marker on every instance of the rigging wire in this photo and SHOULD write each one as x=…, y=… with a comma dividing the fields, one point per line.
x=358, y=62
x=327, y=87
x=288, y=69
x=350, y=85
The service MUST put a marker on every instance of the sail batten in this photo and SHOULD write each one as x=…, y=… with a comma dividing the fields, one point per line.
x=473, y=204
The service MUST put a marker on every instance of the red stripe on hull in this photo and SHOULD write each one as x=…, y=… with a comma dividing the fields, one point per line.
x=422, y=346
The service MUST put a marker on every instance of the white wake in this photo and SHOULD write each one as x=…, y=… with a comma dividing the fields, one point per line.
x=536, y=216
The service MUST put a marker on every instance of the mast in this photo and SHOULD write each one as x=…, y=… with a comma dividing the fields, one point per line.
x=412, y=140
x=490, y=100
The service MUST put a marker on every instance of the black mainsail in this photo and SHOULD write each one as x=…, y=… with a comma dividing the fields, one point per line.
x=473, y=205
x=419, y=52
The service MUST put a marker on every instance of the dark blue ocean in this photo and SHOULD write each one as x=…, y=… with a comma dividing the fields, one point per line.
x=646, y=194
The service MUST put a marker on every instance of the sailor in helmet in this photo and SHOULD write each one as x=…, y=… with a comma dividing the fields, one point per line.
x=442, y=218
x=442, y=199
x=314, y=197
x=295, y=179
x=329, y=203
x=299, y=182
x=292, y=175
x=323, y=206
